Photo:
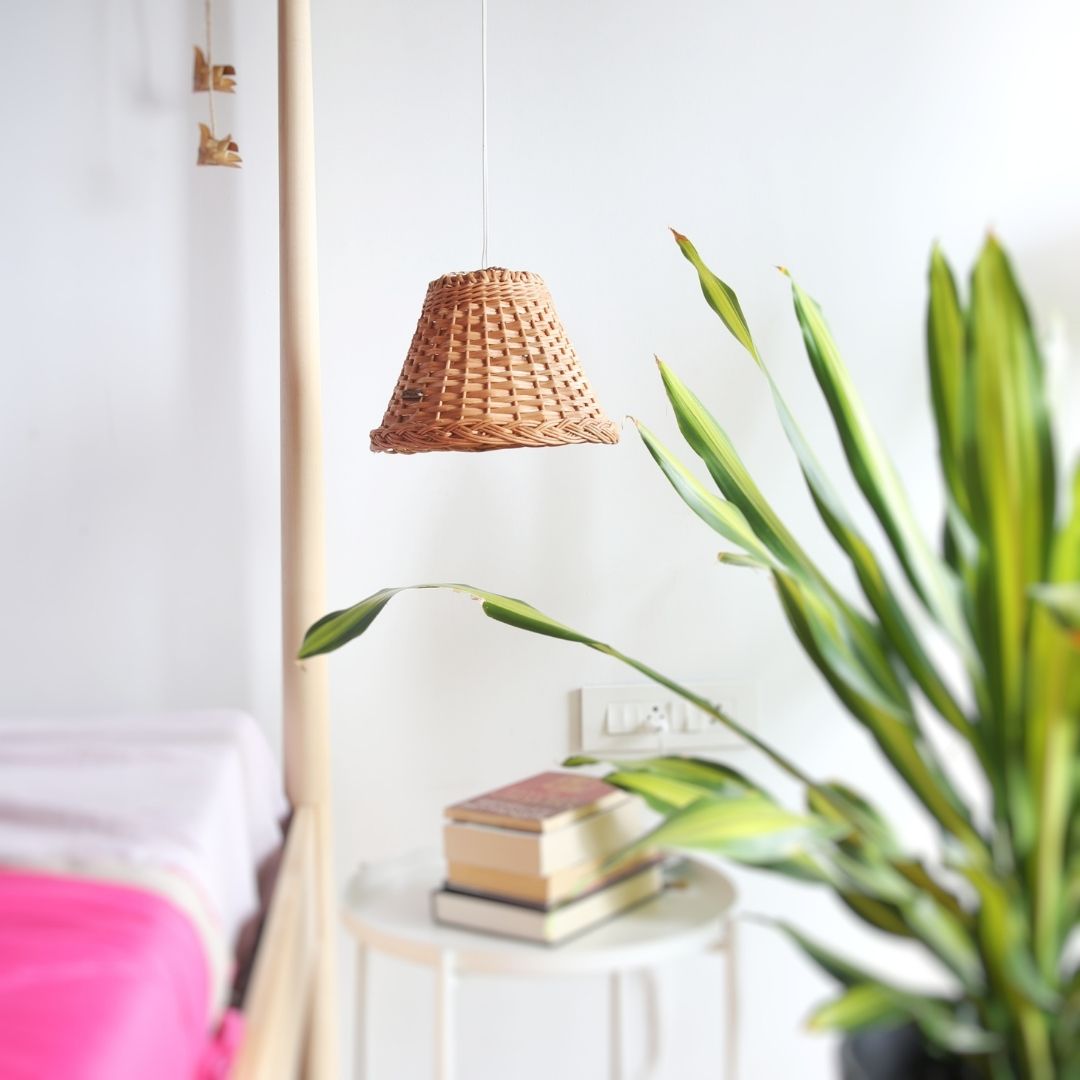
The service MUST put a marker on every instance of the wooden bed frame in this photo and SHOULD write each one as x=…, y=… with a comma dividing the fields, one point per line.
x=291, y=1003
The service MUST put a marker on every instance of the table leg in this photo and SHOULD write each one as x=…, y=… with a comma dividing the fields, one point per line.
x=654, y=1023
x=363, y=1028
x=731, y=1006
x=615, y=1019
x=445, y=991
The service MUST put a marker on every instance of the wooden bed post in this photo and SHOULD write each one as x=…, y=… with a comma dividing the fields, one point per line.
x=303, y=540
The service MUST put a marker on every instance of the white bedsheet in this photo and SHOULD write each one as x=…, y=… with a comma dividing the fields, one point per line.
x=189, y=803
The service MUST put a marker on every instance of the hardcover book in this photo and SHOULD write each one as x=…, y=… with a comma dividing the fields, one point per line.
x=544, y=893
x=542, y=853
x=547, y=927
x=544, y=802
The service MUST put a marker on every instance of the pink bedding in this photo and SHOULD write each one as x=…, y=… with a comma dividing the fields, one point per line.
x=100, y=981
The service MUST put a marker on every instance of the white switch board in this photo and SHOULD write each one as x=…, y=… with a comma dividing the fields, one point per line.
x=648, y=719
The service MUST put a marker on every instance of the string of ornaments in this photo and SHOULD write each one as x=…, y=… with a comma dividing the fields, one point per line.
x=211, y=79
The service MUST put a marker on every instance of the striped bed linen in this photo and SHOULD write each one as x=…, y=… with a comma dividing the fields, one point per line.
x=130, y=848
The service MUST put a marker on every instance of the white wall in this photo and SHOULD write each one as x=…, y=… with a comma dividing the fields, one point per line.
x=138, y=554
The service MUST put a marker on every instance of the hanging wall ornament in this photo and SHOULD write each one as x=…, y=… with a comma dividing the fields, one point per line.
x=211, y=78
x=217, y=151
x=223, y=83
x=490, y=366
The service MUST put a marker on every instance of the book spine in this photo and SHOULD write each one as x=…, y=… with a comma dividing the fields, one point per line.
x=543, y=854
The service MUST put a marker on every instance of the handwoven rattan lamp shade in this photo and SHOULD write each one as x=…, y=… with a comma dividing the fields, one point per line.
x=490, y=367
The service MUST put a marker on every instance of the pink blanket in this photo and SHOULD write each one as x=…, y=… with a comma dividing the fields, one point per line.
x=101, y=982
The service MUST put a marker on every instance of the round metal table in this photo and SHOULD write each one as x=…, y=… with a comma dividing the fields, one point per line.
x=388, y=909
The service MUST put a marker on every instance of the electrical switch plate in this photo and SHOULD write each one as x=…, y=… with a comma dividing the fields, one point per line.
x=646, y=718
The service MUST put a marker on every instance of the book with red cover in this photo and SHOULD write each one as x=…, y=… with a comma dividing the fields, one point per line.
x=540, y=804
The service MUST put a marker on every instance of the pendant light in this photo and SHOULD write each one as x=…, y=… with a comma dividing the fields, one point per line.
x=490, y=366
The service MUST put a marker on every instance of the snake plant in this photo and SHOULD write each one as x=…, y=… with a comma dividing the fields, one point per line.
x=997, y=905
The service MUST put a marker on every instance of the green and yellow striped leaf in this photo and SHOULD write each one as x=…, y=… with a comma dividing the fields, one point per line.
x=720, y=515
x=842, y=970
x=891, y=722
x=882, y=597
x=865, y=1005
x=749, y=829
x=720, y=297
x=874, y=1005
x=877, y=477
x=1011, y=482
x=711, y=443
x=1052, y=734
x=947, y=356
x=340, y=627
x=709, y=777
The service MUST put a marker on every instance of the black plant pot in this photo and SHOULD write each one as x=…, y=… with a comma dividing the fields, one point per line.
x=897, y=1054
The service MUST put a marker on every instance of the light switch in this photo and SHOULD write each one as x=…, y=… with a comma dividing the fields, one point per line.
x=619, y=719
x=623, y=720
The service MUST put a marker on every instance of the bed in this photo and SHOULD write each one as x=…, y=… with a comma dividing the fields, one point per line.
x=136, y=853
x=130, y=847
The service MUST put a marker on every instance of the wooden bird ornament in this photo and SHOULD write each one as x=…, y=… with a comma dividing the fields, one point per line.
x=211, y=78
x=223, y=83
x=213, y=151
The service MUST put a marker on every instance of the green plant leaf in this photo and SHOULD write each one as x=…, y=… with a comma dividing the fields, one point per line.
x=719, y=296
x=881, y=596
x=875, y=831
x=876, y=476
x=828, y=797
x=937, y=1019
x=1062, y=601
x=720, y=515
x=665, y=794
x=944, y=1028
x=1010, y=966
x=749, y=829
x=921, y=878
x=843, y=645
x=746, y=562
x=843, y=971
x=874, y=1005
x=865, y=1005
x=889, y=722
x=340, y=627
x=876, y=891
x=877, y=913
x=1010, y=473
x=1052, y=734
x=711, y=443
x=709, y=777
x=947, y=356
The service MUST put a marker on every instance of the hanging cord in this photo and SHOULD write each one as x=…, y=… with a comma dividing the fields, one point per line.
x=208, y=9
x=483, y=125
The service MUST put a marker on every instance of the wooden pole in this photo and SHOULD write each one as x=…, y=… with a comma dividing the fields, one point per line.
x=303, y=533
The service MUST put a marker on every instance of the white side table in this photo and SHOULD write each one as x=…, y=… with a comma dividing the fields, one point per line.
x=388, y=908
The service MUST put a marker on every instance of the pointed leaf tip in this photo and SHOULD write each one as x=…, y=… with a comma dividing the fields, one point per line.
x=679, y=238
x=784, y=270
x=575, y=761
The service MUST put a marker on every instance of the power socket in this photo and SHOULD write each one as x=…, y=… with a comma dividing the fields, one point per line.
x=649, y=719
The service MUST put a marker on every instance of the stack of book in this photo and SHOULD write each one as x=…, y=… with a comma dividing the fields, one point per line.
x=532, y=860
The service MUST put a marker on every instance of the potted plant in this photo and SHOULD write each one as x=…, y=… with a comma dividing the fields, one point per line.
x=997, y=907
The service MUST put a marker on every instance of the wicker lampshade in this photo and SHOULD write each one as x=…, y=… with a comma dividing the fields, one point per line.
x=490, y=367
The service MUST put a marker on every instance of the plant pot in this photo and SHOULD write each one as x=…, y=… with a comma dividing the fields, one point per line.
x=897, y=1054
